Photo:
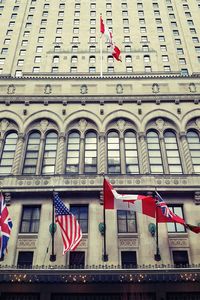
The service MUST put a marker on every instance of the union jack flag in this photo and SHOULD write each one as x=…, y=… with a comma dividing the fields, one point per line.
x=69, y=226
x=163, y=206
x=5, y=227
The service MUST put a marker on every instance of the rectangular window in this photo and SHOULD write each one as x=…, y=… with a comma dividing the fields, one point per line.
x=176, y=227
x=81, y=214
x=77, y=260
x=128, y=259
x=126, y=221
x=30, y=219
x=180, y=259
x=25, y=259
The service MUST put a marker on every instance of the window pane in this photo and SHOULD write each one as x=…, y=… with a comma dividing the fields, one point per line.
x=131, y=154
x=8, y=153
x=154, y=151
x=113, y=152
x=73, y=148
x=90, y=156
x=193, y=139
x=172, y=152
x=50, y=150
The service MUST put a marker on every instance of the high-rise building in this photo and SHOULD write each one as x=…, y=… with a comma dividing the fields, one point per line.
x=71, y=114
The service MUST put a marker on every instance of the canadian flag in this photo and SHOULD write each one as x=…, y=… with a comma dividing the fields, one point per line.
x=116, y=52
x=140, y=203
x=105, y=30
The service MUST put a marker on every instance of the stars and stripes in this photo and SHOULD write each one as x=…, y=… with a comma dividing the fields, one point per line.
x=5, y=226
x=69, y=226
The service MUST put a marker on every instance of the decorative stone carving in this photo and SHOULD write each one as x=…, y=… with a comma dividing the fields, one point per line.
x=198, y=123
x=3, y=126
x=119, y=89
x=127, y=242
x=11, y=89
x=178, y=243
x=155, y=88
x=47, y=89
x=82, y=125
x=192, y=87
x=121, y=125
x=27, y=243
x=160, y=123
x=43, y=125
x=84, y=89
x=83, y=244
x=102, y=152
x=197, y=198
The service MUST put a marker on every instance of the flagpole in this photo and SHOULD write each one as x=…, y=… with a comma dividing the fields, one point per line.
x=105, y=255
x=101, y=54
x=52, y=256
x=157, y=256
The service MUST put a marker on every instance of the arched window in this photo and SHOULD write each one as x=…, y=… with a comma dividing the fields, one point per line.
x=74, y=59
x=32, y=153
x=92, y=59
x=154, y=152
x=146, y=58
x=8, y=153
x=50, y=150
x=128, y=58
x=131, y=154
x=55, y=59
x=91, y=152
x=113, y=153
x=73, y=153
x=172, y=152
x=193, y=139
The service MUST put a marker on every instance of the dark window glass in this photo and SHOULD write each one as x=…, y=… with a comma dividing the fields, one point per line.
x=32, y=153
x=73, y=152
x=180, y=258
x=8, y=153
x=126, y=221
x=77, y=260
x=113, y=153
x=20, y=296
x=30, y=219
x=25, y=259
x=128, y=259
x=81, y=214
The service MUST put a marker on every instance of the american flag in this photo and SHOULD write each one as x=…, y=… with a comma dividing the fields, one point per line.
x=69, y=226
x=5, y=226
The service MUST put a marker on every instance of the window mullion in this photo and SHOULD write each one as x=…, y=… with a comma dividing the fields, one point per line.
x=122, y=154
x=81, y=160
x=164, y=154
x=40, y=155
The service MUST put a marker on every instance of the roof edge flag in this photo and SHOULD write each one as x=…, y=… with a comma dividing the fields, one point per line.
x=69, y=226
x=140, y=203
x=5, y=226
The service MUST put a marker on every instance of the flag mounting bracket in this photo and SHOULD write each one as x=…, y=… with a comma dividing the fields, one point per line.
x=52, y=257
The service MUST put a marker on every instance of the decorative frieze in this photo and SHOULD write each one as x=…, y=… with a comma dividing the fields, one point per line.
x=27, y=243
x=128, y=243
x=179, y=243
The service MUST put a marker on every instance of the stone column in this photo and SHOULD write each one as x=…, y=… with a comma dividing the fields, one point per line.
x=61, y=158
x=101, y=154
x=122, y=154
x=40, y=155
x=81, y=155
x=187, y=160
x=144, y=162
x=18, y=158
x=163, y=154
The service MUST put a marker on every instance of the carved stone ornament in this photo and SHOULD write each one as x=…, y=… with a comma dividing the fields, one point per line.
x=84, y=89
x=47, y=89
x=198, y=123
x=43, y=125
x=11, y=89
x=121, y=125
x=160, y=123
x=155, y=88
x=119, y=89
x=82, y=125
x=3, y=126
x=192, y=87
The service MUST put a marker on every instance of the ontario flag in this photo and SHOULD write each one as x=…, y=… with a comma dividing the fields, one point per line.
x=164, y=215
x=139, y=203
x=5, y=227
x=69, y=226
